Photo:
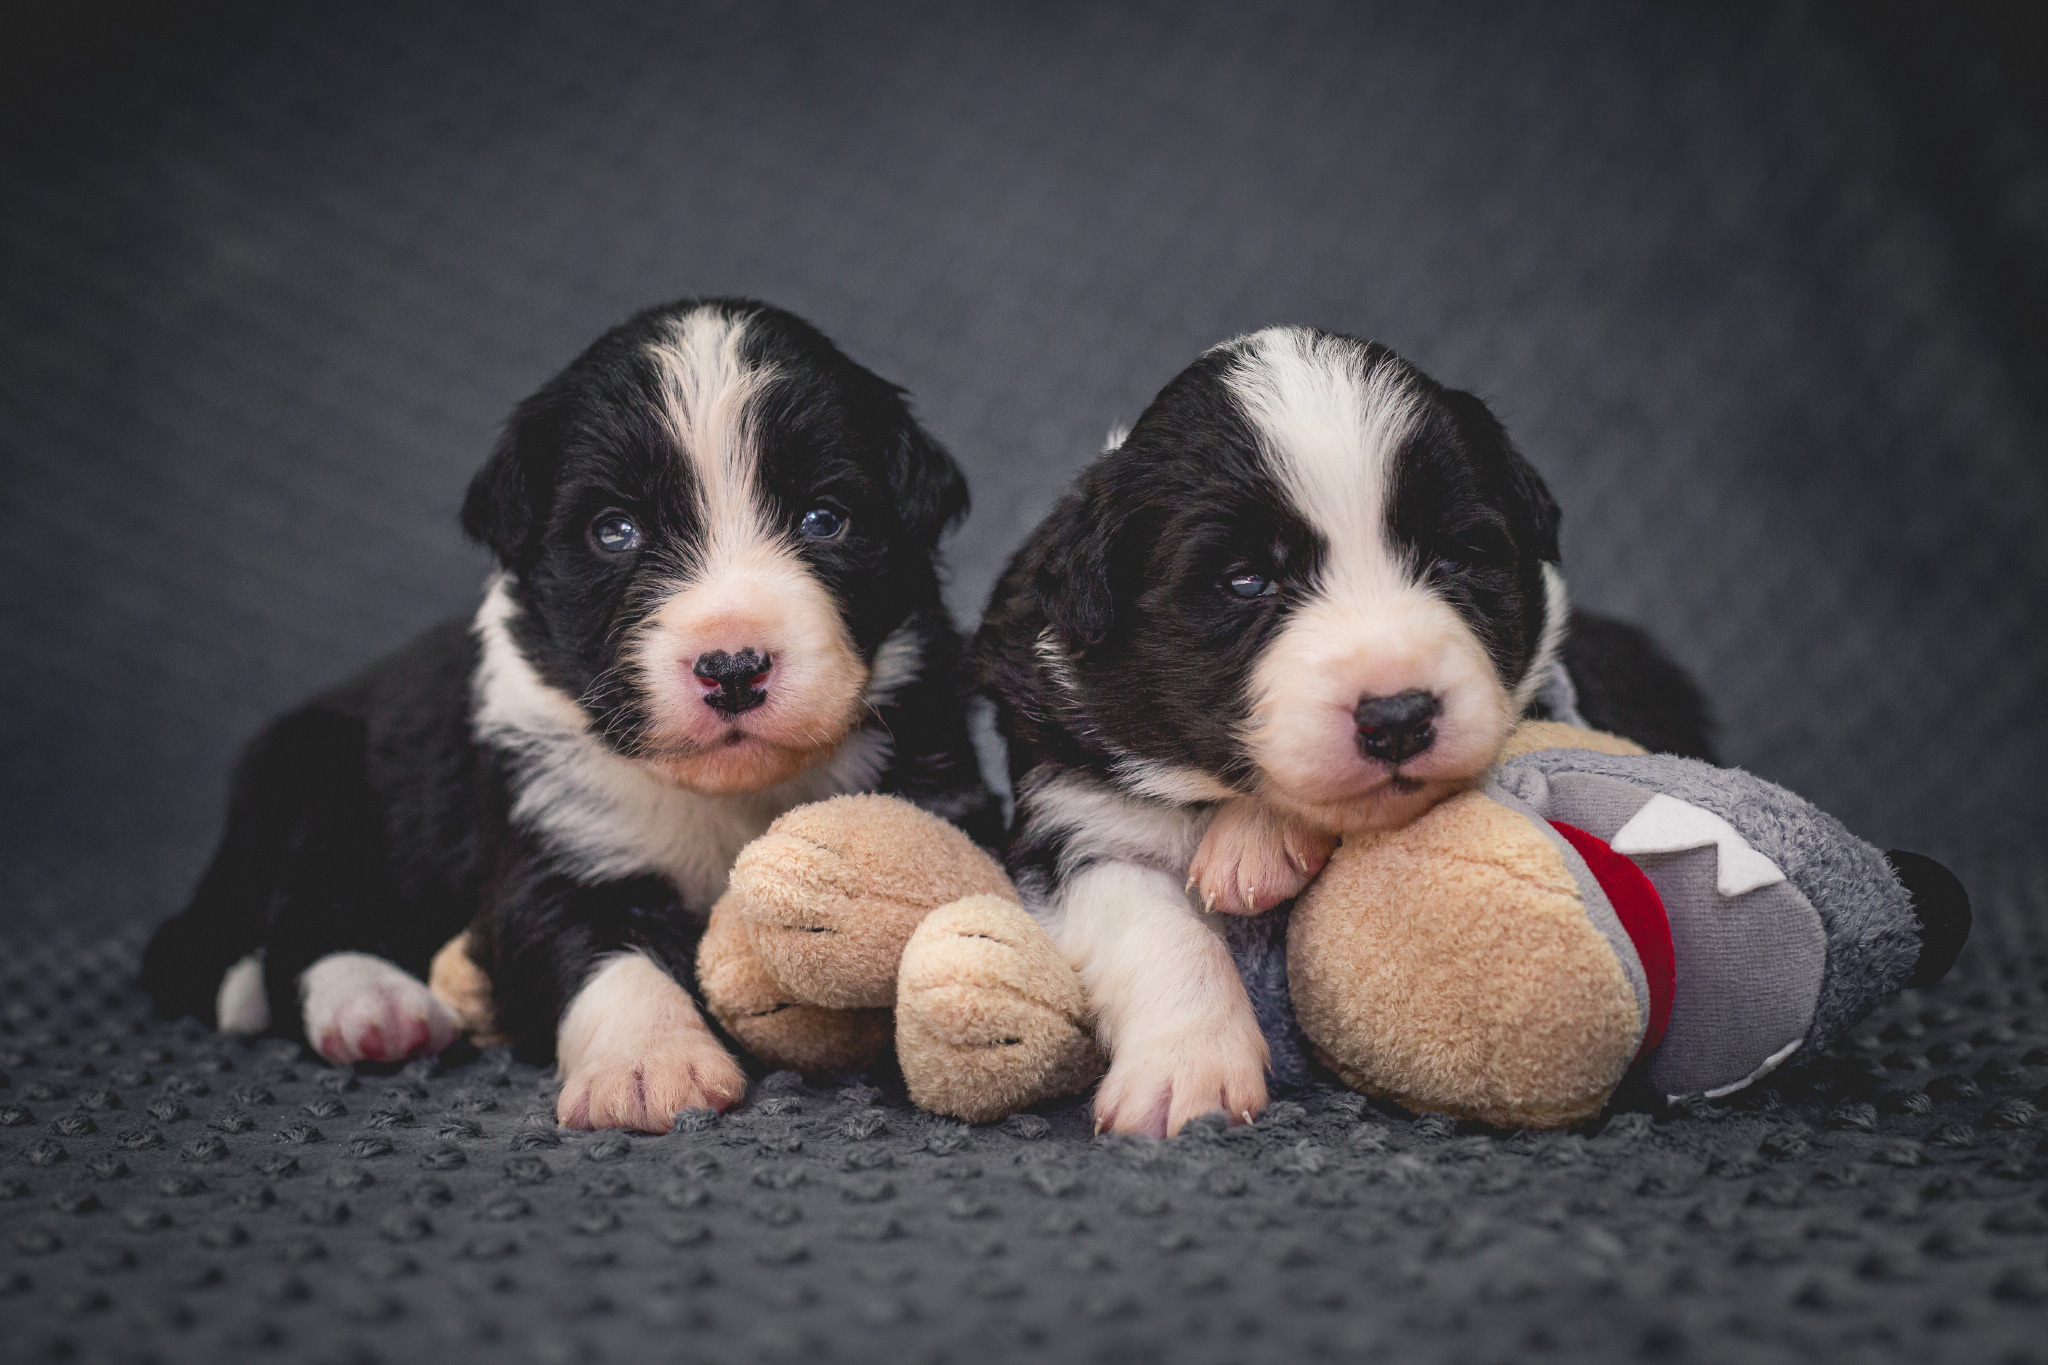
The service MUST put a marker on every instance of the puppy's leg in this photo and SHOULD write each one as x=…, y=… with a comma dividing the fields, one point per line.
x=360, y=1008
x=590, y=973
x=1167, y=1000
x=1252, y=858
x=633, y=1051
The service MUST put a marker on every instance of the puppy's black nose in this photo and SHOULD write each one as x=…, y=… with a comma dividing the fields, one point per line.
x=733, y=682
x=1394, y=729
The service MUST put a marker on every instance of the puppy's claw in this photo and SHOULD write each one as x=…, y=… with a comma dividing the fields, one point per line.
x=1155, y=1088
x=1252, y=858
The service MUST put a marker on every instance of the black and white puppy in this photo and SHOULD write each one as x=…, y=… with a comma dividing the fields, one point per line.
x=717, y=598
x=1308, y=594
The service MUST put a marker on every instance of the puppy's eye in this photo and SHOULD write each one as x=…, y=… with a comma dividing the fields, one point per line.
x=1446, y=567
x=1246, y=583
x=615, y=533
x=821, y=523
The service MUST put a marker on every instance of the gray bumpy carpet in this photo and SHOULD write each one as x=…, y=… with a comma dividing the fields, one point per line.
x=1764, y=291
x=173, y=1196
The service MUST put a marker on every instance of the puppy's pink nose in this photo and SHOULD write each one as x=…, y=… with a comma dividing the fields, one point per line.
x=733, y=682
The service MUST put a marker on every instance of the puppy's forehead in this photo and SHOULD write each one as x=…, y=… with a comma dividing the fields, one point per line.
x=1332, y=417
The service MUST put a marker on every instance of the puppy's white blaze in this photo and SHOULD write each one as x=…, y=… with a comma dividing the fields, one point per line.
x=708, y=394
x=1331, y=431
x=241, y=1005
x=743, y=585
x=605, y=816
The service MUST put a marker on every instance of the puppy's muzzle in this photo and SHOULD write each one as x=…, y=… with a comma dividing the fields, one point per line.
x=1397, y=728
x=733, y=682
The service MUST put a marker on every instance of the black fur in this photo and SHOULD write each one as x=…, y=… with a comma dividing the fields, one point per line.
x=1628, y=685
x=370, y=819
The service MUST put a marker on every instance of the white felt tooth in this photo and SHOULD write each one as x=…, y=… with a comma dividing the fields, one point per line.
x=1668, y=825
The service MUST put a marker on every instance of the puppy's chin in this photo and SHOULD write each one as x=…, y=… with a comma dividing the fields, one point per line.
x=1390, y=805
x=764, y=747
x=1317, y=776
x=745, y=764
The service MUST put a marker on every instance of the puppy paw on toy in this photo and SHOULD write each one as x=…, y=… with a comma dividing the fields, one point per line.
x=863, y=921
x=1510, y=956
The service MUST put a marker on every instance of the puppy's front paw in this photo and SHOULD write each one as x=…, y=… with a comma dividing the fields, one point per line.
x=1155, y=1085
x=634, y=1051
x=1252, y=858
x=360, y=1008
x=645, y=1089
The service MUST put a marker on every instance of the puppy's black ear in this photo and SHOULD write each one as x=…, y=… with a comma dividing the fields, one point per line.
x=508, y=501
x=1072, y=577
x=930, y=490
x=1532, y=513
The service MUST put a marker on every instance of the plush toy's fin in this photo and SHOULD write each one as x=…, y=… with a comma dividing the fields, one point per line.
x=1941, y=906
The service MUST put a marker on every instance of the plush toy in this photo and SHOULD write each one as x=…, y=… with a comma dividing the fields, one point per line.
x=862, y=921
x=1510, y=956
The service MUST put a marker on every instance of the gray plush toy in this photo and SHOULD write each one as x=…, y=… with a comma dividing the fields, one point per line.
x=1593, y=912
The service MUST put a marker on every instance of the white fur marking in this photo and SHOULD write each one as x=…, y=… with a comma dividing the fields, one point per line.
x=708, y=396
x=1102, y=823
x=606, y=816
x=896, y=666
x=1170, y=782
x=359, y=1007
x=1167, y=999
x=1557, y=608
x=633, y=1051
x=242, y=1006
x=1331, y=432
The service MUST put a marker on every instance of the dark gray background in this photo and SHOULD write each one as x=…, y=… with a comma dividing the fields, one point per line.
x=1764, y=291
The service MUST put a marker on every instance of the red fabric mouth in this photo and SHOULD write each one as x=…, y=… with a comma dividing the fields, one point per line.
x=1641, y=912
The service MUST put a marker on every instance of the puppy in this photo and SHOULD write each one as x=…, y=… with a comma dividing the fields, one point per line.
x=1308, y=594
x=716, y=598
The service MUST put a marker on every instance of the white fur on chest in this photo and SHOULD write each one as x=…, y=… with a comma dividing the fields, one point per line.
x=602, y=815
